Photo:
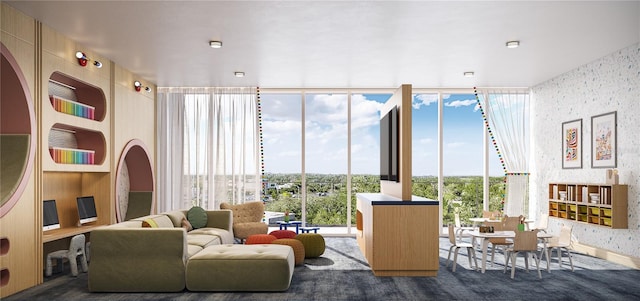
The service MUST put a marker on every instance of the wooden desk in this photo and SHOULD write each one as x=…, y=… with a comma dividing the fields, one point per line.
x=52, y=235
x=398, y=238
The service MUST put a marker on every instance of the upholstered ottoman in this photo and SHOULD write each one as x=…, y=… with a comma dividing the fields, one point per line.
x=241, y=268
x=296, y=245
x=283, y=234
x=259, y=239
x=313, y=244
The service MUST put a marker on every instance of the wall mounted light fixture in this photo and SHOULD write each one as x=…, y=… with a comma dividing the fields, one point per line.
x=138, y=86
x=239, y=74
x=215, y=44
x=83, y=59
x=468, y=74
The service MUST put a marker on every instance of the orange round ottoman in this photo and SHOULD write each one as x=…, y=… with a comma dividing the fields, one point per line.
x=283, y=233
x=298, y=248
x=257, y=239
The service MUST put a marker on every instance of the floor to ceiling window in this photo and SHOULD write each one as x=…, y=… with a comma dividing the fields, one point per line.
x=463, y=152
x=282, y=141
x=424, y=134
x=325, y=157
x=320, y=149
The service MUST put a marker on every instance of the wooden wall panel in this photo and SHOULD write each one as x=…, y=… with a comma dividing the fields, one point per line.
x=134, y=118
x=20, y=226
x=401, y=98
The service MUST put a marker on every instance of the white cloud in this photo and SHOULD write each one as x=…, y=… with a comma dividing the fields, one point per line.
x=455, y=144
x=461, y=103
x=424, y=100
x=425, y=141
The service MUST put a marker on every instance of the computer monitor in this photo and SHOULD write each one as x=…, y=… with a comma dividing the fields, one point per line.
x=50, y=215
x=87, y=209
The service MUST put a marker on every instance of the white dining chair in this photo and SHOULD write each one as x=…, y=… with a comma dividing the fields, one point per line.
x=560, y=243
x=455, y=244
x=461, y=232
x=525, y=242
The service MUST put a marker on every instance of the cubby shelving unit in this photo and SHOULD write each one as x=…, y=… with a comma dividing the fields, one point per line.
x=595, y=204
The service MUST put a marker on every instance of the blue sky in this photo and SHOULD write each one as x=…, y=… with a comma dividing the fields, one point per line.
x=326, y=134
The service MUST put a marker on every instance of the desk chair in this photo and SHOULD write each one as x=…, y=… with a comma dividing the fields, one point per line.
x=525, y=241
x=76, y=249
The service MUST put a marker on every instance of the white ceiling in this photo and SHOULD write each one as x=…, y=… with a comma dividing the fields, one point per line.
x=340, y=44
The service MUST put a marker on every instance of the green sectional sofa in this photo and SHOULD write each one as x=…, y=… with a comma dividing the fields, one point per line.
x=127, y=257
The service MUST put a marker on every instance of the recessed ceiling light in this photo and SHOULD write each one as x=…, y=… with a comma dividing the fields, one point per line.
x=239, y=74
x=215, y=44
x=468, y=74
x=513, y=44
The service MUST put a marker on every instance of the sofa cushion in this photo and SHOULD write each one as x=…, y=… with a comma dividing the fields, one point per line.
x=186, y=224
x=202, y=240
x=149, y=223
x=160, y=219
x=176, y=217
x=193, y=250
x=197, y=217
x=225, y=236
x=241, y=268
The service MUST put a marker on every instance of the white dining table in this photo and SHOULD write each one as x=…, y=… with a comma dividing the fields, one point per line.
x=506, y=234
x=479, y=220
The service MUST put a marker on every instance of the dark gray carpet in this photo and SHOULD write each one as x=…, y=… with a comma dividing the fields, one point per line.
x=343, y=274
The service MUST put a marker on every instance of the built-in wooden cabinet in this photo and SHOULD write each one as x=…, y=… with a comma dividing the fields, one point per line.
x=75, y=162
x=595, y=204
x=398, y=238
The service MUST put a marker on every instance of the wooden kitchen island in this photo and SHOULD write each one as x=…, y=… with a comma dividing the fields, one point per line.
x=398, y=238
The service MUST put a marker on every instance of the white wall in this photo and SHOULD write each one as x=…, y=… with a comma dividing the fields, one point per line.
x=611, y=83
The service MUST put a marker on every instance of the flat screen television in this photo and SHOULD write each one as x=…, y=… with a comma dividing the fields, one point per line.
x=87, y=209
x=50, y=215
x=389, y=126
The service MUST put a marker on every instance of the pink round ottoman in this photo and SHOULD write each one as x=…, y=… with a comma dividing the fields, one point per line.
x=283, y=233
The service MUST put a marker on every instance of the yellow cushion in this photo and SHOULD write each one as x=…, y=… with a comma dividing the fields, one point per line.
x=149, y=223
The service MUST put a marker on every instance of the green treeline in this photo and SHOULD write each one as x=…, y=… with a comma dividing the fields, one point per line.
x=327, y=195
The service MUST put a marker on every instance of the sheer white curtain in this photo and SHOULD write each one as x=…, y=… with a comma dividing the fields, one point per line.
x=208, y=147
x=508, y=115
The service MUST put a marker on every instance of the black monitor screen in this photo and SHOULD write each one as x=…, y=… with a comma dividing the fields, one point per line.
x=87, y=209
x=50, y=215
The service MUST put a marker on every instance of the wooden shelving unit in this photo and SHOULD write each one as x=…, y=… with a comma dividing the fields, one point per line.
x=595, y=204
x=76, y=161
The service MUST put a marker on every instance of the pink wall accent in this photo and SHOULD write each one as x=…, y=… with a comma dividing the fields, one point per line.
x=19, y=116
x=136, y=156
x=85, y=93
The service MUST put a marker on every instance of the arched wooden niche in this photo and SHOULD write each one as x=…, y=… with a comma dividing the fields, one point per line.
x=134, y=182
x=17, y=132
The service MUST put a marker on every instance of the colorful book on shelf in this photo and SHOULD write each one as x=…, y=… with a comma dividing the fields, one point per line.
x=72, y=107
x=72, y=156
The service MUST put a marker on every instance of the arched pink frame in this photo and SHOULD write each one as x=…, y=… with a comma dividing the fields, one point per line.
x=21, y=119
x=136, y=155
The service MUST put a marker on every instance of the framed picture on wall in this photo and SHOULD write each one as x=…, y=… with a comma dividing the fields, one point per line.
x=572, y=144
x=603, y=140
